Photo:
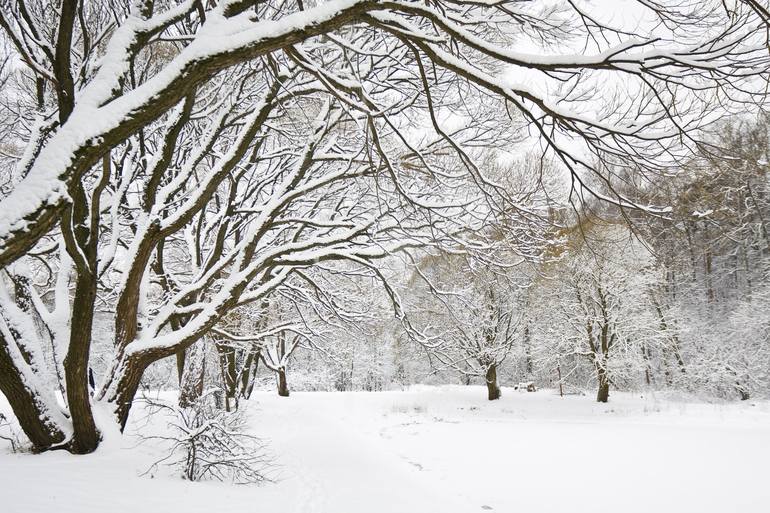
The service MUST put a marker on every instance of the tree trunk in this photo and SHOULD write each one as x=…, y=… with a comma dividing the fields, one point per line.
x=647, y=367
x=708, y=268
x=283, y=386
x=528, y=351
x=742, y=391
x=249, y=374
x=493, y=391
x=604, y=386
x=80, y=230
x=191, y=388
x=126, y=383
x=180, y=359
x=229, y=378
x=123, y=381
x=86, y=436
x=28, y=403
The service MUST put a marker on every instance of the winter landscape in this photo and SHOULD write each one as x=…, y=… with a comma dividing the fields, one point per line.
x=439, y=449
x=384, y=256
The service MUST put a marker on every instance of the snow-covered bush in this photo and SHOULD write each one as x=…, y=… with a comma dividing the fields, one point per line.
x=204, y=442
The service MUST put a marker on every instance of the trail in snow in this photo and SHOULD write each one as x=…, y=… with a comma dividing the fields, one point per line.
x=337, y=466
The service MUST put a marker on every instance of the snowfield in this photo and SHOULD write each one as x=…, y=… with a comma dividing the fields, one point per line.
x=436, y=449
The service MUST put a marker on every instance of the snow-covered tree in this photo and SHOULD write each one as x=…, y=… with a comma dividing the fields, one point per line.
x=598, y=306
x=468, y=319
x=183, y=159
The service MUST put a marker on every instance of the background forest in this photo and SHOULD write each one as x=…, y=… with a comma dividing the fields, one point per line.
x=614, y=300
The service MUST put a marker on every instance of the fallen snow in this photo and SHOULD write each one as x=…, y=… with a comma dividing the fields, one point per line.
x=442, y=449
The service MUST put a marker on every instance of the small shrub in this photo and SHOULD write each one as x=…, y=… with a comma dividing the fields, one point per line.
x=205, y=442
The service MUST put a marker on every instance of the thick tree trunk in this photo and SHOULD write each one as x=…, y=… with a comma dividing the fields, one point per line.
x=123, y=383
x=86, y=436
x=80, y=229
x=603, y=394
x=283, y=386
x=493, y=391
x=28, y=404
x=126, y=383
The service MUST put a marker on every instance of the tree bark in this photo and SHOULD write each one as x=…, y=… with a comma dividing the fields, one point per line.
x=80, y=230
x=742, y=391
x=283, y=386
x=249, y=374
x=603, y=394
x=191, y=388
x=86, y=436
x=229, y=378
x=180, y=359
x=126, y=386
x=27, y=403
x=528, y=351
x=647, y=367
x=493, y=391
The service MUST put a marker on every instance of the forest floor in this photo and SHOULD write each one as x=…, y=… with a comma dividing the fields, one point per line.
x=437, y=450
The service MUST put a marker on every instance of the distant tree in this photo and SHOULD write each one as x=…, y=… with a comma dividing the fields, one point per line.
x=469, y=319
x=598, y=305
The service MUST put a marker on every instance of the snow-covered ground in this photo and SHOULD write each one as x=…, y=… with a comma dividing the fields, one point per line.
x=441, y=450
